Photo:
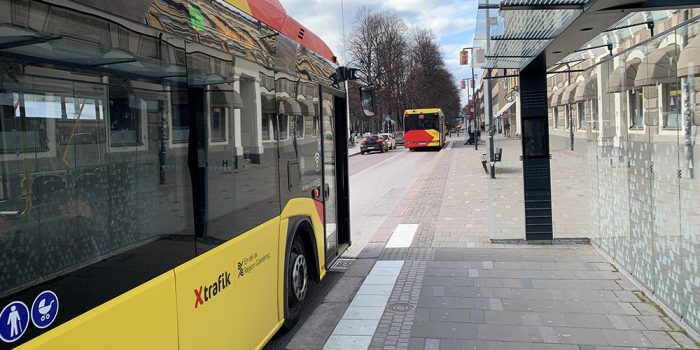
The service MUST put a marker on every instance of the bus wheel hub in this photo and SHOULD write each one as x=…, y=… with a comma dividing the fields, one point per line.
x=299, y=277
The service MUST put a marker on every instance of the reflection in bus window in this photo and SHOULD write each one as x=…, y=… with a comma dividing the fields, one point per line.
x=218, y=123
x=35, y=139
x=180, y=122
x=298, y=122
x=124, y=121
x=283, y=126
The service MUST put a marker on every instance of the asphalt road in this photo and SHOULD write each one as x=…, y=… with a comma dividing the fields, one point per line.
x=378, y=181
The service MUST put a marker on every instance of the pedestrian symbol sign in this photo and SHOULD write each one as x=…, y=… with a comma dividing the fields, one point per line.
x=44, y=309
x=14, y=320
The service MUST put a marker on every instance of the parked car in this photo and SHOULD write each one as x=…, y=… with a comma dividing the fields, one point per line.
x=373, y=143
x=389, y=138
x=398, y=136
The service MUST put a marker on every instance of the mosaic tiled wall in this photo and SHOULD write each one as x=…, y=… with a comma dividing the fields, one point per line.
x=646, y=217
x=644, y=204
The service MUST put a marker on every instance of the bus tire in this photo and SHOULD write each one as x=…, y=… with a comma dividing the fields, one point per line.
x=297, y=284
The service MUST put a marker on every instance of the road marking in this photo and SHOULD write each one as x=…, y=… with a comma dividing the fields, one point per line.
x=402, y=236
x=357, y=326
x=382, y=162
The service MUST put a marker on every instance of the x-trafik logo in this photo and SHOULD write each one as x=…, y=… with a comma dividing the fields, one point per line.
x=207, y=292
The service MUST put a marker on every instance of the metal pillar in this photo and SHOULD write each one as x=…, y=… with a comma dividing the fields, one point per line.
x=488, y=114
x=535, y=143
x=474, y=114
x=570, y=112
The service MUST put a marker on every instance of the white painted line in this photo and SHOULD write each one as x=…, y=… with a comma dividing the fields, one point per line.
x=402, y=236
x=360, y=321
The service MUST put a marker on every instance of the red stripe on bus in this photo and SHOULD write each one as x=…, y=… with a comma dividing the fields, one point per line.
x=272, y=13
x=417, y=136
x=319, y=209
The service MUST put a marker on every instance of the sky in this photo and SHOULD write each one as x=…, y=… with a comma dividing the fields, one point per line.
x=452, y=21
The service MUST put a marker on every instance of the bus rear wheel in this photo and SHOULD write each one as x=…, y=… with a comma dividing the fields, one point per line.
x=297, y=284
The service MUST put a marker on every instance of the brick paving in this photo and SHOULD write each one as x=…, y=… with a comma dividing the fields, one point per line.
x=457, y=290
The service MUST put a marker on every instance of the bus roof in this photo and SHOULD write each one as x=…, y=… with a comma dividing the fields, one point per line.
x=272, y=13
x=423, y=111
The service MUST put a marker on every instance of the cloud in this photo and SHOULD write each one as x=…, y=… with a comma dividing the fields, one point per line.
x=452, y=21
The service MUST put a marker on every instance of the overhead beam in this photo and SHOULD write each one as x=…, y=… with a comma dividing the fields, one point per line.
x=520, y=39
x=591, y=22
x=538, y=7
x=651, y=5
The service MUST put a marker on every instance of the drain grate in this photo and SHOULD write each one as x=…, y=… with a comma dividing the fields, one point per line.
x=401, y=307
x=341, y=265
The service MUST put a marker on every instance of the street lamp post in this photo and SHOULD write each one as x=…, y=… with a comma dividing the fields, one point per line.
x=473, y=82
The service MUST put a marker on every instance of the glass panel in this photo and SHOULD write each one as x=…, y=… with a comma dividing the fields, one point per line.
x=663, y=105
x=237, y=186
x=86, y=195
x=640, y=179
x=329, y=171
x=506, y=210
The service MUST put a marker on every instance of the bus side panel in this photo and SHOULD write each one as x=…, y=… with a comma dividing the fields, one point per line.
x=142, y=318
x=227, y=297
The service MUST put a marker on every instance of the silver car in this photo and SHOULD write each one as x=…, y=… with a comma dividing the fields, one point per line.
x=390, y=140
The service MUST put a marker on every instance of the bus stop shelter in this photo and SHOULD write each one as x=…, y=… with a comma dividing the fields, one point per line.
x=541, y=37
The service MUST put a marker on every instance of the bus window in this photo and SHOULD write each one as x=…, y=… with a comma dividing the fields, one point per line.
x=422, y=122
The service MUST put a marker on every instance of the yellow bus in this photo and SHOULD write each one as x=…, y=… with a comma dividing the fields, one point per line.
x=424, y=128
x=173, y=173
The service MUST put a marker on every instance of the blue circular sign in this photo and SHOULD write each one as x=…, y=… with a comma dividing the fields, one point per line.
x=14, y=320
x=44, y=309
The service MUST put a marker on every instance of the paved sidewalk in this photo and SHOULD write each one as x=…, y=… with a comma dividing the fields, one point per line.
x=353, y=151
x=431, y=279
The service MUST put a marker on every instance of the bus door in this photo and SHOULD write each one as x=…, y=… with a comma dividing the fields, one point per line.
x=335, y=172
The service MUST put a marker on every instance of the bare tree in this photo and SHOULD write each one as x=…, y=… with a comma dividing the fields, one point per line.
x=405, y=67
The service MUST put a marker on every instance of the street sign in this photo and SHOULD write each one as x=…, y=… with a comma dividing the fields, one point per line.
x=387, y=118
x=464, y=57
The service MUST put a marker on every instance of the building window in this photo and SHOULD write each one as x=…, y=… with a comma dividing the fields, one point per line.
x=180, y=121
x=88, y=130
x=218, y=123
x=283, y=128
x=583, y=115
x=298, y=122
x=593, y=114
x=311, y=124
x=125, y=124
x=560, y=116
x=37, y=110
x=266, y=121
x=671, y=106
x=636, y=109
